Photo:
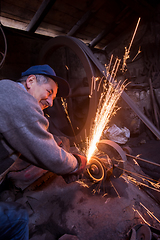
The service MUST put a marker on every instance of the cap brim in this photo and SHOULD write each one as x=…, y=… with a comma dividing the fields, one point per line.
x=63, y=86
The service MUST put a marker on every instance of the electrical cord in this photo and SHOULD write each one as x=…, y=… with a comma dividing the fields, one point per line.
x=5, y=42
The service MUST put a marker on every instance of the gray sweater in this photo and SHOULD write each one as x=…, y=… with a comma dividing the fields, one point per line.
x=24, y=127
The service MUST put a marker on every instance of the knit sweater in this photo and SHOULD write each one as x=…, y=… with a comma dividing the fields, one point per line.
x=24, y=128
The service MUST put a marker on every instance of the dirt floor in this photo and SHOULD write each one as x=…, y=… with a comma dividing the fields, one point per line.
x=87, y=211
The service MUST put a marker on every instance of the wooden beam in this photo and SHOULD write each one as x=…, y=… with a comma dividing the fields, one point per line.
x=92, y=10
x=121, y=16
x=77, y=26
x=39, y=15
x=102, y=34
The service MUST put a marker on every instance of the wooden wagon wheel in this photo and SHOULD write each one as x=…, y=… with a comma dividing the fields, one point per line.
x=83, y=99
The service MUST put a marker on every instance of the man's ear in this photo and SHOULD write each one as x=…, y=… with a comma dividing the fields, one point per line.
x=30, y=81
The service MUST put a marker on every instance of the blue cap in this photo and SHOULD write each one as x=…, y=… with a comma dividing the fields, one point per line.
x=63, y=86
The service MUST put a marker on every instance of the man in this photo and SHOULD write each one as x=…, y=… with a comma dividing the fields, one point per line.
x=23, y=127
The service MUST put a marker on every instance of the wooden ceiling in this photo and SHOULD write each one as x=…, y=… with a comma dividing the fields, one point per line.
x=96, y=22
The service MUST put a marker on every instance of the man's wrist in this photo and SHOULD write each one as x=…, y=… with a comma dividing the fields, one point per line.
x=78, y=163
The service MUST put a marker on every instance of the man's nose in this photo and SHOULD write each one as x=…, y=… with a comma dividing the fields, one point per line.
x=50, y=101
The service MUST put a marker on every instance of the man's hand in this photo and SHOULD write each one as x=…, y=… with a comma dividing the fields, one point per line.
x=77, y=173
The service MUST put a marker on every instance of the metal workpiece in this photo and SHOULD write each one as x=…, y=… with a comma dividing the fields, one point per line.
x=143, y=232
x=108, y=164
x=96, y=170
x=115, y=153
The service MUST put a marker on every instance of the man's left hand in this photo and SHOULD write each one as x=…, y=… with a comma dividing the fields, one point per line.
x=78, y=173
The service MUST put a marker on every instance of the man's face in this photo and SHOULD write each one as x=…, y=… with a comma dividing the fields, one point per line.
x=45, y=93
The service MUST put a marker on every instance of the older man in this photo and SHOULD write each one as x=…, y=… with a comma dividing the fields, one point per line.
x=23, y=127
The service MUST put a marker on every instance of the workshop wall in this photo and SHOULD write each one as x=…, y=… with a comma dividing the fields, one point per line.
x=142, y=73
x=24, y=51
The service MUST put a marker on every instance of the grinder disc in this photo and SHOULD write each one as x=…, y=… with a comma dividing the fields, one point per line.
x=116, y=154
x=96, y=170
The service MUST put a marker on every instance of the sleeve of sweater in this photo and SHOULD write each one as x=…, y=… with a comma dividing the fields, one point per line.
x=25, y=128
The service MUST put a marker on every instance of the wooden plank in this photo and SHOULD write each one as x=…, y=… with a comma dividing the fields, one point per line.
x=19, y=13
x=142, y=8
x=30, y=6
x=39, y=15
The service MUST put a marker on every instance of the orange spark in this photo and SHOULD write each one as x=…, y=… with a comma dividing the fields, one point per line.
x=108, y=100
x=64, y=104
x=67, y=67
x=140, y=216
x=114, y=189
x=127, y=50
x=150, y=213
x=139, y=51
x=137, y=183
